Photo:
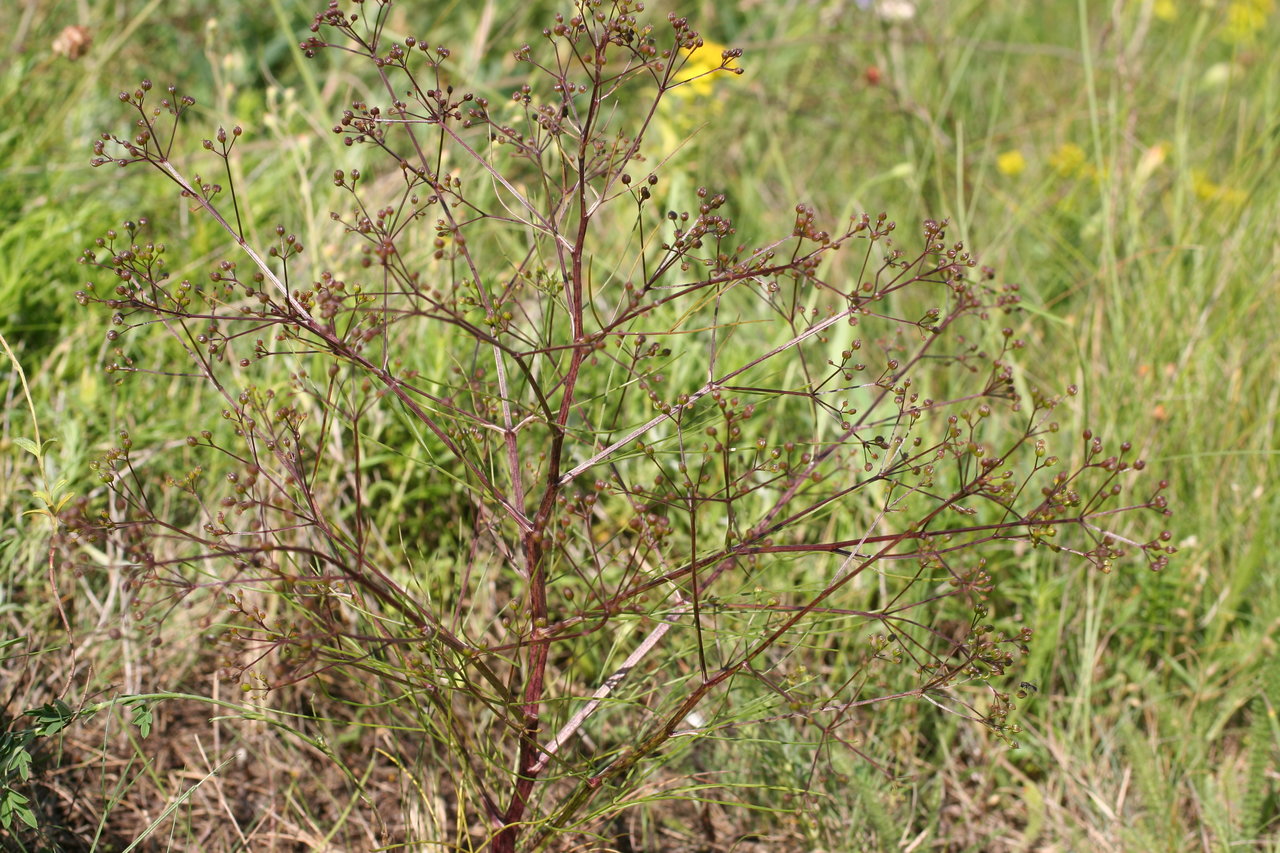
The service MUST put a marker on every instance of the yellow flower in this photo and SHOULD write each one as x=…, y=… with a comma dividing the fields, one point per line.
x=1165, y=10
x=1207, y=190
x=1011, y=163
x=1069, y=160
x=1245, y=19
x=697, y=77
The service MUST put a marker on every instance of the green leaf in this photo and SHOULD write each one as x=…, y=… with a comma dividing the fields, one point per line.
x=14, y=757
x=12, y=803
x=51, y=718
x=27, y=445
x=19, y=762
x=142, y=717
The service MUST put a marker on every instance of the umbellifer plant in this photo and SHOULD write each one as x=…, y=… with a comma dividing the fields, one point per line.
x=657, y=468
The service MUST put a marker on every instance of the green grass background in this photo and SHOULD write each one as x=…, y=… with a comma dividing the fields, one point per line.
x=1117, y=160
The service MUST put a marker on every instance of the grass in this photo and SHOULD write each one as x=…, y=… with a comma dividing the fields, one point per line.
x=1140, y=224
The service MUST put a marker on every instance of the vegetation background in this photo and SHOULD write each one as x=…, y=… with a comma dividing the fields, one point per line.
x=1118, y=159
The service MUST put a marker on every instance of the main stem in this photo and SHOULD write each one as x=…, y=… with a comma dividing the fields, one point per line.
x=534, y=541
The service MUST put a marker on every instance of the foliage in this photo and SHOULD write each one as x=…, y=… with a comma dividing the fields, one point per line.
x=677, y=465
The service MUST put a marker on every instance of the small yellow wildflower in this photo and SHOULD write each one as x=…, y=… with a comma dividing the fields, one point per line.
x=1245, y=19
x=1207, y=190
x=697, y=77
x=694, y=80
x=1011, y=163
x=1165, y=10
x=1069, y=160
